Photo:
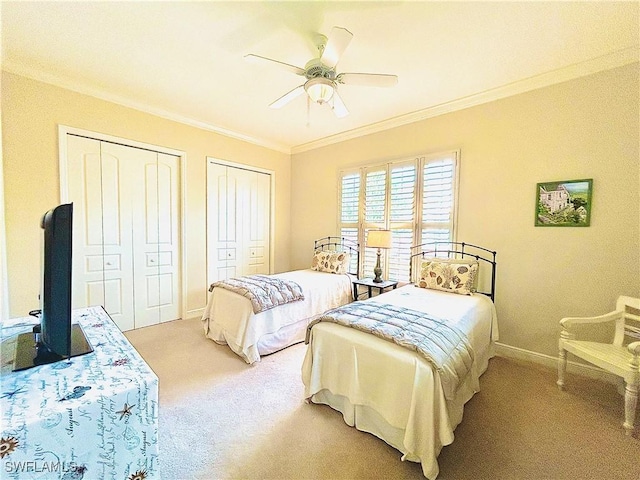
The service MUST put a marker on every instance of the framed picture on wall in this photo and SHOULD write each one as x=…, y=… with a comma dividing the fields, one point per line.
x=565, y=203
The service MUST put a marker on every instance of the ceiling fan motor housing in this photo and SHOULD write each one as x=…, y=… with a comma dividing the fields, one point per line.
x=315, y=68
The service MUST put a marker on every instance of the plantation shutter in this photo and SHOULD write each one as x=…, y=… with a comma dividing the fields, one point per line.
x=350, y=211
x=414, y=198
x=438, y=192
x=375, y=212
x=350, y=193
x=401, y=219
x=375, y=197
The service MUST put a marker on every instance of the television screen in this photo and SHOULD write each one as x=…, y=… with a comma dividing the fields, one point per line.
x=55, y=338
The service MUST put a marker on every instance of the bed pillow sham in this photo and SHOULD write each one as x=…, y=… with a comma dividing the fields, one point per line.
x=449, y=275
x=330, y=261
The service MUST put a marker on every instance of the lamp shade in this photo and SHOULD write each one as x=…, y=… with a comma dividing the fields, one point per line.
x=379, y=239
x=319, y=89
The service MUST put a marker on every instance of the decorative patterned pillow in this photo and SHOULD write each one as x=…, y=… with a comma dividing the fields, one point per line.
x=330, y=261
x=449, y=275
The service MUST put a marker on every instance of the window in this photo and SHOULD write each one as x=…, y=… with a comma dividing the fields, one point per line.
x=350, y=201
x=415, y=199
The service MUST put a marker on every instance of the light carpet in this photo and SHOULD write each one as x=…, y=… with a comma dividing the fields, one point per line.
x=223, y=419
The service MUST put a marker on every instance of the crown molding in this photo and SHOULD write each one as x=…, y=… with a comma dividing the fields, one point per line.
x=612, y=60
x=605, y=62
x=58, y=81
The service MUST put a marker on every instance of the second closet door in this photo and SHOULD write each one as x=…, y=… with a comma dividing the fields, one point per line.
x=238, y=221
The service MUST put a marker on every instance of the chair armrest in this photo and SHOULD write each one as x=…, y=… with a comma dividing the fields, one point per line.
x=568, y=322
x=634, y=349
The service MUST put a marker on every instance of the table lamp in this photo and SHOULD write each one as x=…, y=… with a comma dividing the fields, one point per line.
x=379, y=239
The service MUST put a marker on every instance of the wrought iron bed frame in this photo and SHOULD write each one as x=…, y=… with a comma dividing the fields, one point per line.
x=347, y=245
x=455, y=250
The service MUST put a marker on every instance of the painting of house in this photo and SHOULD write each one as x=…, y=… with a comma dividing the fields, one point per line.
x=564, y=204
x=556, y=199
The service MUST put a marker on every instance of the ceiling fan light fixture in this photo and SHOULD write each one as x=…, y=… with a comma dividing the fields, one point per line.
x=320, y=89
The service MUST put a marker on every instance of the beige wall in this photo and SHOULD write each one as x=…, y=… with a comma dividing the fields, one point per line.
x=31, y=113
x=585, y=128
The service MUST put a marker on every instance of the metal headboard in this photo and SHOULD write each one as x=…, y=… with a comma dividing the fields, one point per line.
x=444, y=249
x=343, y=245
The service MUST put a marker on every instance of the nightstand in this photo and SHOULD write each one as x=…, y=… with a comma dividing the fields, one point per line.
x=370, y=284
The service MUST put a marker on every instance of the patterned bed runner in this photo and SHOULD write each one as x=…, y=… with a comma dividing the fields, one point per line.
x=441, y=344
x=264, y=291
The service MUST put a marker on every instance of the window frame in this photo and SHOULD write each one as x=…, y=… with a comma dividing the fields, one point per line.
x=417, y=225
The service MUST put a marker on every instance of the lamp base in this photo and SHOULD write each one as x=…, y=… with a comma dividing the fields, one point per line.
x=377, y=271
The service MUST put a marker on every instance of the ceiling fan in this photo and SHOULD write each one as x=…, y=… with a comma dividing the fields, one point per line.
x=322, y=79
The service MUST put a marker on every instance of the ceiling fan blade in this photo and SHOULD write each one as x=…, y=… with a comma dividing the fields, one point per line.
x=269, y=61
x=367, y=79
x=339, y=39
x=338, y=107
x=287, y=97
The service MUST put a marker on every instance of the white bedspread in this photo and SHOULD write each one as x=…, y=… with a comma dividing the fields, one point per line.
x=391, y=391
x=229, y=317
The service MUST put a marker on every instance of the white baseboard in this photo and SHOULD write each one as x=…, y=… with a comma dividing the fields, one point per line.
x=198, y=312
x=516, y=353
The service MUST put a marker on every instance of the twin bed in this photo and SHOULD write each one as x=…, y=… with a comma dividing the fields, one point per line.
x=410, y=394
x=394, y=392
x=230, y=317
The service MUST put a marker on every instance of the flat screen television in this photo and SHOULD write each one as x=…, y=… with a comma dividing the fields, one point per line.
x=56, y=337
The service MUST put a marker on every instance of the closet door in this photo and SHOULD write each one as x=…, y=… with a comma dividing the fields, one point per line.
x=126, y=241
x=102, y=237
x=257, y=223
x=224, y=233
x=238, y=221
x=240, y=216
x=155, y=239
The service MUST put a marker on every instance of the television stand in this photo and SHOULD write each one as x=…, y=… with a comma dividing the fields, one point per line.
x=30, y=353
x=92, y=415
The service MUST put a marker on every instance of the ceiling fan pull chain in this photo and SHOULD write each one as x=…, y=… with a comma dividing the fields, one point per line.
x=308, y=112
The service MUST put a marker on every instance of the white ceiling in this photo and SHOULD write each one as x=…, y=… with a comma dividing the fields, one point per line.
x=184, y=60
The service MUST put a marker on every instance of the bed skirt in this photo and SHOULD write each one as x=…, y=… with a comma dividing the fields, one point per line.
x=401, y=403
x=267, y=344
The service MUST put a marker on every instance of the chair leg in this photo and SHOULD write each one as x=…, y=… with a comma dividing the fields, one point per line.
x=630, y=403
x=562, y=367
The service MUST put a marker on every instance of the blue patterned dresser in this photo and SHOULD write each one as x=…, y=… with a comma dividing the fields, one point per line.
x=93, y=417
